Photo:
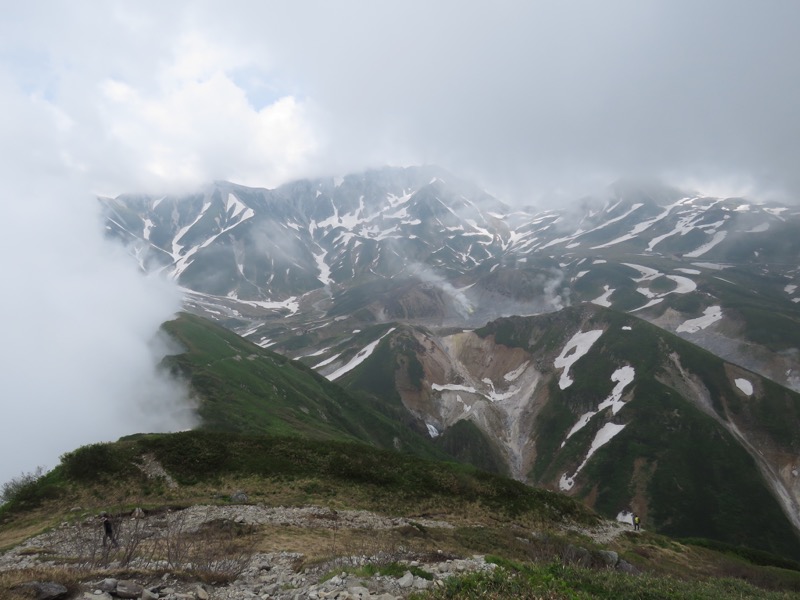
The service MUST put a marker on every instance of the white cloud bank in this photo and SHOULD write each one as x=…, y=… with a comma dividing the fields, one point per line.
x=79, y=347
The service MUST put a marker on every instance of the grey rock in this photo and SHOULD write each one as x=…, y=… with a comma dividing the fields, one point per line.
x=421, y=583
x=108, y=585
x=406, y=581
x=609, y=557
x=360, y=592
x=577, y=555
x=626, y=567
x=239, y=496
x=149, y=595
x=45, y=590
x=128, y=589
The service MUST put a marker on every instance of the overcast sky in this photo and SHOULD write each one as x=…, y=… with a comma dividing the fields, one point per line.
x=535, y=101
x=524, y=97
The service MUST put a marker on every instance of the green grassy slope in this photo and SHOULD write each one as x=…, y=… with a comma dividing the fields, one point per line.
x=245, y=388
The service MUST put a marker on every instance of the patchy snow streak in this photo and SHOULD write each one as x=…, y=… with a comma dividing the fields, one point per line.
x=603, y=436
x=358, y=358
x=603, y=299
x=576, y=347
x=453, y=388
x=327, y=361
x=324, y=269
x=718, y=237
x=623, y=377
x=513, y=375
x=290, y=304
x=711, y=315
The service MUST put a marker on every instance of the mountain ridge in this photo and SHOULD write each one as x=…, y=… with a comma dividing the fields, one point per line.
x=388, y=282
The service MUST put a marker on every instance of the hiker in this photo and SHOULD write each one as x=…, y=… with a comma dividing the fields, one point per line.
x=108, y=531
x=636, y=521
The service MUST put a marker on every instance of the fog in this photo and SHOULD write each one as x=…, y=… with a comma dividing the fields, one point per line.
x=78, y=362
x=538, y=102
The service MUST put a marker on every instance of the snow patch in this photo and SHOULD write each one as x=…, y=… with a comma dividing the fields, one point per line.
x=745, y=386
x=512, y=375
x=685, y=285
x=718, y=237
x=623, y=376
x=358, y=358
x=603, y=436
x=649, y=304
x=712, y=266
x=324, y=269
x=432, y=431
x=453, y=388
x=148, y=227
x=327, y=361
x=603, y=299
x=581, y=342
x=290, y=304
x=710, y=315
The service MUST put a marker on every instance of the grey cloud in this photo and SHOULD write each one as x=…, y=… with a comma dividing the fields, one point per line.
x=545, y=96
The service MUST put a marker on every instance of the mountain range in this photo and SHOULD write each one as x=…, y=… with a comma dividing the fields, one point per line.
x=637, y=350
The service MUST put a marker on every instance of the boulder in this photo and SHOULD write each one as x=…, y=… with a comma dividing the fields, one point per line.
x=45, y=590
x=128, y=589
x=609, y=557
x=359, y=592
x=626, y=567
x=577, y=555
x=406, y=581
x=201, y=593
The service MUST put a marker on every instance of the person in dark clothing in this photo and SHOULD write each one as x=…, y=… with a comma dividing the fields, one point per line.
x=108, y=532
x=636, y=522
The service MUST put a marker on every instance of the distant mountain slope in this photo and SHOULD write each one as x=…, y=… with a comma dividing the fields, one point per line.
x=613, y=410
x=419, y=244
